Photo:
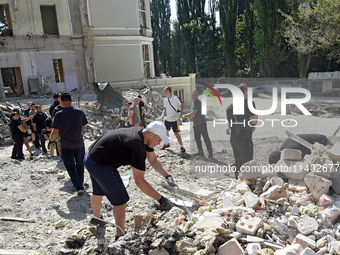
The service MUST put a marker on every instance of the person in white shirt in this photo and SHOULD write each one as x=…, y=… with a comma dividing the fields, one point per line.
x=173, y=108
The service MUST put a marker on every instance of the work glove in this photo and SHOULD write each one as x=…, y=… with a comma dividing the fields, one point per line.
x=50, y=143
x=43, y=131
x=164, y=204
x=170, y=181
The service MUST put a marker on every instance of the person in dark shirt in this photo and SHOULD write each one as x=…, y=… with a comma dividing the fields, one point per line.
x=200, y=126
x=55, y=103
x=241, y=132
x=291, y=144
x=18, y=131
x=141, y=110
x=49, y=127
x=38, y=126
x=126, y=146
x=69, y=123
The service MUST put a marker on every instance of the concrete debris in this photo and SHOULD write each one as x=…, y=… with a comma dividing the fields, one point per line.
x=291, y=155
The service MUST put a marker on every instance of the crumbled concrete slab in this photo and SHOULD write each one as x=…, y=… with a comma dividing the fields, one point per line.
x=317, y=185
x=291, y=155
x=251, y=199
x=307, y=225
x=297, y=185
x=231, y=247
x=305, y=241
x=292, y=169
x=252, y=248
x=242, y=188
x=209, y=223
x=275, y=180
x=227, y=202
x=325, y=201
x=300, y=198
x=334, y=152
x=308, y=251
x=274, y=193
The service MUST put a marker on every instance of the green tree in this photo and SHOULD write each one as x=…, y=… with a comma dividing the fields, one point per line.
x=314, y=27
x=160, y=21
x=269, y=43
x=228, y=17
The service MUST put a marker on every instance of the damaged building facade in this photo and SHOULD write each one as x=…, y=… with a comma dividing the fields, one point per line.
x=58, y=45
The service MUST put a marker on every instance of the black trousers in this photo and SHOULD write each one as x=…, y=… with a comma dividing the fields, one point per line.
x=17, y=149
x=142, y=119
x=201, y=130
x=243, y=152
x=42, y=140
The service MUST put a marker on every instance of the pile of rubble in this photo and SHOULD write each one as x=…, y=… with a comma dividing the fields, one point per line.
x=101, y=119
x=316, y=108
x=5, y=111
x=291, y=211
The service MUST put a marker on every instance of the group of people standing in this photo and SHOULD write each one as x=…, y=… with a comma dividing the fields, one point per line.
x=133, y=113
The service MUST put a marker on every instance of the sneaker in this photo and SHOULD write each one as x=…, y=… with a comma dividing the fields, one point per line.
x=199, y=154
x=80, y=192
x=31, y=156
x=182, y=150
x=165, y=146
x=211, y=155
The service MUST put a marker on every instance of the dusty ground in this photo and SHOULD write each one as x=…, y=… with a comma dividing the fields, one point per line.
x=24, y=191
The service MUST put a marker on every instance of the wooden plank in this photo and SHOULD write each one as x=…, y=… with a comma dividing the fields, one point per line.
x=17, y=219
x=19, y=252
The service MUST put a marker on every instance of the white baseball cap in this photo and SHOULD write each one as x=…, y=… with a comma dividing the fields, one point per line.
x=159, y=129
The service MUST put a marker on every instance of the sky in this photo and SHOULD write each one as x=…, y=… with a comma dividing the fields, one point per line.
x=174, y=10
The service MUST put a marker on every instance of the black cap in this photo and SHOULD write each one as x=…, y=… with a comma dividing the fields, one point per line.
x=274, y=157
x=38, y=106
x=129, y=102
x=13, y=114
x=65, y=97
x=55, y=95
x=139, y=96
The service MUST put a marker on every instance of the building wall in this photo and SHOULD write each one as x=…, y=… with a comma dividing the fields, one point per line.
x=117, y=40
x=34, y=52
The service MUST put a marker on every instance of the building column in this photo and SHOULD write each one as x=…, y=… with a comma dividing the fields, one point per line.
x=192, y=84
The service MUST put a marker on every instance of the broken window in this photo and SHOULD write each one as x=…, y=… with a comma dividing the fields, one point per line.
x=5, y=21
x=142, y=15
x=58, y=70
x=146, y=60
x=49, y=19
x=12, y=81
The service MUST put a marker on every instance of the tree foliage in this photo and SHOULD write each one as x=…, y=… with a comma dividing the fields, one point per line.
x=160, y=20
x=315, y=26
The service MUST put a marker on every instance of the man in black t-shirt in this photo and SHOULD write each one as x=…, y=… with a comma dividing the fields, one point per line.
x=241, y=132
x=200, y=125
x=141, y=110
x=55, y=103
x=126, y=146
x=38, y=125
x=17, y=131
x=69, y=124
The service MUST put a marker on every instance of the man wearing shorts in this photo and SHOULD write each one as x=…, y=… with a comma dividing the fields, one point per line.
x=125, y=146
x=172, y=106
